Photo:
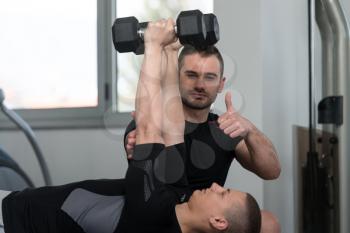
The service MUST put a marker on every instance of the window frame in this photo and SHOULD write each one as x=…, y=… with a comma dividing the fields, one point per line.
x=87, y=117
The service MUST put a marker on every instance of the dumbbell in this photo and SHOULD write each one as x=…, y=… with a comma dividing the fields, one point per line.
x=192, y=27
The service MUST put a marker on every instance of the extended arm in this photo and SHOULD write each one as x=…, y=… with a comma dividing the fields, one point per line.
x=173, y=119
x=148, y=101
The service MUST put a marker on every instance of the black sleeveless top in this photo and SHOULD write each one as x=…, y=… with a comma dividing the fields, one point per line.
x=209, y=152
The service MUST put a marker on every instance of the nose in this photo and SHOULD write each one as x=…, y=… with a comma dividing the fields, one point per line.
x=200, y=84
x=217, y=188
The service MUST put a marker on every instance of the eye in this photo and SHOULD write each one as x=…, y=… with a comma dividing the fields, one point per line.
x=210, y=77
x=192, y=76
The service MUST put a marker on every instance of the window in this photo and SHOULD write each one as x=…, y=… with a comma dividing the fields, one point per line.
x=59, y=67
x=49, y=53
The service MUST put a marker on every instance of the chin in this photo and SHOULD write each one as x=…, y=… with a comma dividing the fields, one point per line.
x=196, y=192
x=199, y=105
x=194, y=195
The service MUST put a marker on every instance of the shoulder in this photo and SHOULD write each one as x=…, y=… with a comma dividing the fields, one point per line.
x=212, y=116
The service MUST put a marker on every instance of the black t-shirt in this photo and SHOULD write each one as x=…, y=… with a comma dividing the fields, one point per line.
x=153, y=202
x=143, y=202
x=210, y=152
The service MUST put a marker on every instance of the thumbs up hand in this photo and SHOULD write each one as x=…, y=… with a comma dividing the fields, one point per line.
x=231, y=122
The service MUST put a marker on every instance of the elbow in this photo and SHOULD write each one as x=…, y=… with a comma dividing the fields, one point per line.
x=274, y=170
x=273, y=173
x=277, y=169
x=276, y=173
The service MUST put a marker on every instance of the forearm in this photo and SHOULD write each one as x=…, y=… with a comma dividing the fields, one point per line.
x=173, y=118
x=148, y=97
x=263, y=159
x=172, y=73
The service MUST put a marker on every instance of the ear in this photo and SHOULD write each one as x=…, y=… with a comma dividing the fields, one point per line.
x=222, y=84
x=218, y=223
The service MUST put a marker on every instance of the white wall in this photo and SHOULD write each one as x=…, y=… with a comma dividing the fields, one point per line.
x=240, y=42
x=285, y=102
x=265, y=49
x=72, y=155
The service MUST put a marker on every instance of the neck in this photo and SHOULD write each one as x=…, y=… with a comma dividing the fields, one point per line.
x=185, y=218
x=196, y=115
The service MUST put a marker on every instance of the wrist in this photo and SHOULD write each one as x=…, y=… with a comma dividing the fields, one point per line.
x=172, y=55
x=153, y=48
x=170, y=51
x=250, y=131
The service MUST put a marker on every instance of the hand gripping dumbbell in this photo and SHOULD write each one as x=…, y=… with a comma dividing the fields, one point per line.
x=192, y=27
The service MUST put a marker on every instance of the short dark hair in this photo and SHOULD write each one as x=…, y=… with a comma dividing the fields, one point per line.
x=246, y=218
x=254, y=215
x=206, y=52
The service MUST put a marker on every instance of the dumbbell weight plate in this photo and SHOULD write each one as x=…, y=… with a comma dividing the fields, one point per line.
x=212, y=27
x=125, y=36
x=191, y=28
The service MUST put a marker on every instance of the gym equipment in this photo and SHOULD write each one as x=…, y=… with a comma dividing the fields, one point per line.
x=27, y=130
x=12, y=177
x=192, y=27
x=326, y=189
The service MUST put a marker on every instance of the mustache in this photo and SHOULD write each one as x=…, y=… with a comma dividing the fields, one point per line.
x=199, y=92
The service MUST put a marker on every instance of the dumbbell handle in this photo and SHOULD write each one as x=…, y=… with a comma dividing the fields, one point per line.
x=143, y=27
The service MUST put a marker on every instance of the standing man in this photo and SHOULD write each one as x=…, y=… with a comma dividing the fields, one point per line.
x=213, y=141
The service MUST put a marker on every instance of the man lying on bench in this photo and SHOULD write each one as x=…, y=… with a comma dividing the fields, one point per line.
x=154, y=196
